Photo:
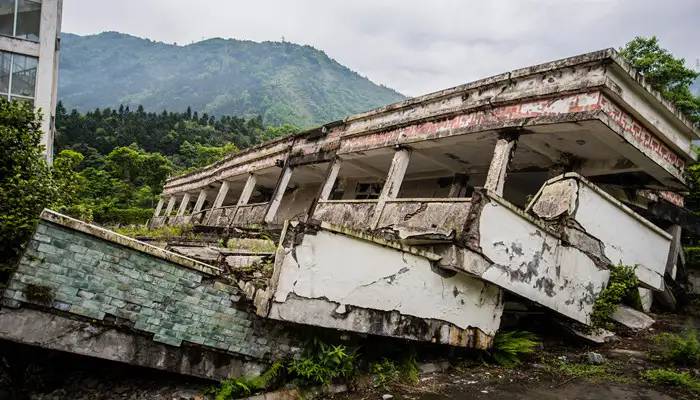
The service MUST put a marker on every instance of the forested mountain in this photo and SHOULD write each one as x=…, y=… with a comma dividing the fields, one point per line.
x=282, y=82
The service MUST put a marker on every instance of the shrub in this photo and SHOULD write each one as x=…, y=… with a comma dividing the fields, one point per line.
x=322, y=363
x=125, y=216
x=683, y=349
x=692, y=256
x=26, y=186
x=668, y=377
x=509, y=347
x=621, y=286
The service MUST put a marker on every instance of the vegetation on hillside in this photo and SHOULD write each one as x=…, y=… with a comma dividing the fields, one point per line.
x=116, y=160
x=282, y=82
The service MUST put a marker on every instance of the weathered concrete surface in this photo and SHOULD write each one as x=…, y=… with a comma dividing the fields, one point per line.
x=339, y=281
x=56, y=332
x=625, y=236
x=531, y=261
x=632, y=318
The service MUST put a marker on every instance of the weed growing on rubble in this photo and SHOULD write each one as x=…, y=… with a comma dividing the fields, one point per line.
x=604, y=372
x=669, y=377
x=385, y=371
x=683, y=349
x=509, y=347
x=621, y=286
x=244, y=386
x=322, y=363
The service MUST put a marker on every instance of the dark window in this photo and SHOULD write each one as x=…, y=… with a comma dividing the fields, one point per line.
x=28, y=18
x=7, y=17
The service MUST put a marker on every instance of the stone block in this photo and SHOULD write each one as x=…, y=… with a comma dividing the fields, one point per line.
x=166, y=339
x=85, y=312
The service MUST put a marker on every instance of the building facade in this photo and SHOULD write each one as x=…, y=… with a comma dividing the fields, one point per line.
x=29, y=50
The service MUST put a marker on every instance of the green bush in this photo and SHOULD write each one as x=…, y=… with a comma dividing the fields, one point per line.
x=669, y=377
x=683, y=349
x=321, y=364
x=509, y=347
x=125, y=216
x=26, y=185
x=622, y=284
x=692, y=256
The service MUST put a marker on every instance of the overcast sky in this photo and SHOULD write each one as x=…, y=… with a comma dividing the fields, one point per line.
x=413, y=46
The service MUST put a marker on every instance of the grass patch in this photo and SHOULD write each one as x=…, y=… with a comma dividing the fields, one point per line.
x=620, y=287
x=163, y=232
x=233, y=388
x=669, y=377
x=254, y=245
x=509, y=347
x=683, y=349
x=604, y=372
x=386, y=371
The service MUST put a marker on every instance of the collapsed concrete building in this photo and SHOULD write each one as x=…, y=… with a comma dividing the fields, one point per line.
x=419, y=219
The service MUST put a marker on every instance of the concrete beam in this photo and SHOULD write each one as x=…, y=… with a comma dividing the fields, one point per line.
x=56, y=332
x=183, y=205
x=278, y=194
x=502, y=154
x=391, y=187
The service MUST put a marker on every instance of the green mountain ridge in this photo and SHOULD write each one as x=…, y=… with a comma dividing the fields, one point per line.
x=280, y=81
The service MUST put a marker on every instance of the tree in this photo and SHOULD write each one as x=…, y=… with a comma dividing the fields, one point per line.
x=26, y=186
x=665, y=73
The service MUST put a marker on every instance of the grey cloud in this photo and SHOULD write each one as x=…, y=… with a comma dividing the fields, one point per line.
x=413, y=46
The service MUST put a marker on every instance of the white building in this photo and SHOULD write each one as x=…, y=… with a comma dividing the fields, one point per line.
x=29, y=45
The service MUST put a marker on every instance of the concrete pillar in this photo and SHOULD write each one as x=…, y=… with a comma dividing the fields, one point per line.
x=221, y=196
x=47, y=70
x=459, y=186
x=247, y=190
x=327, y=189
x=159, y=208
x=499, y=164
x=200, y=201
x=349, y=188
x=278, y=194
x=391, y=187
x=169, y=208
x=183, y=205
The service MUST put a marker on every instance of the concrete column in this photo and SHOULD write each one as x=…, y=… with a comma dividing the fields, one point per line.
x=459, y=186
x=327, y=189
x=183, y=205
x=349, y=188
x=169, y=208
x=221, y=196
x=247, y=190
x=499, y=164
x=200, y=201
x=159, y=208
x=391, y=187
x=278, y=194
x=47, y=70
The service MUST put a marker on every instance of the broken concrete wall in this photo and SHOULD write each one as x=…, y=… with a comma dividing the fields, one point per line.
x=425, y=219
x=625, y=237
x=354, y=214
x=154, y=294
x=510, y=249
x=337, y=280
